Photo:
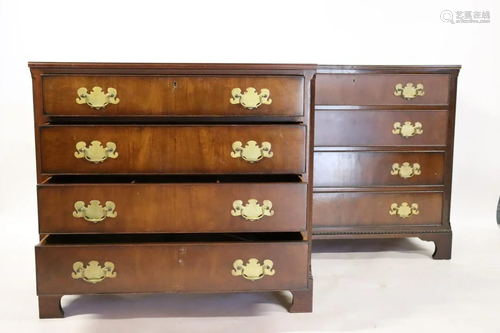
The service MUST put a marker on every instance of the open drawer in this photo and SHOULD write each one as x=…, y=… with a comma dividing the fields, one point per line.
x=162, y=204
x=171, y=263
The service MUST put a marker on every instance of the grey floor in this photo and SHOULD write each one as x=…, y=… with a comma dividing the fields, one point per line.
x=360, y=286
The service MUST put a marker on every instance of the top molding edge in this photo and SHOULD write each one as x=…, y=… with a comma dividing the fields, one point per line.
x=325, y=69
x=195, y=66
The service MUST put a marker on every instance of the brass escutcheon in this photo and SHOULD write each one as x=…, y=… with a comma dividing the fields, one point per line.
x=96, y=153
x=407, y=130
x=95, y=212
x=406, y=170
x=252, y=211
x=251, y=152
x=404, y=211
x=253, y=270
x=250, y=99
x=97, y=99
x=93, y=273
x=409, y=91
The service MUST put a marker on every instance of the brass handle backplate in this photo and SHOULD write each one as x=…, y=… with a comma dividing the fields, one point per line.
x=97, y=99
x=406, y=170
x=94, y=212
x=96, y=153
x=94, y=272
x=253, y=270
x=407, y=130
x=251, y=152
x=250, y=99
x=409, y=91
x=252, y=211
x=404, y=211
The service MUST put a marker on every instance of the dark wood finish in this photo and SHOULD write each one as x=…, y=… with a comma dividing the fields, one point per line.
x=372, y=209
x=178, y=267
x=174, y=149
x=441, y=238
x=384, y=69
x=49, y=306
x=174, y=132
x=356, y=109
x=368, y=89
x=374, y=128
x=39, y=118
x=39, y=69
x=450, y=138
x=193, y=96
x=153, y=208
x=171, y=68
x=302, y=300
x=442, y=243
x=352, y=169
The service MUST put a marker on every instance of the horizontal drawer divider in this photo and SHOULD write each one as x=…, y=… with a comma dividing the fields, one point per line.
x=115, y=239
x=167, y=122
x=382, y=189
x=392, y=149
x=171, y=120
x=421, y=107
x=413, y=149
x=177, y=179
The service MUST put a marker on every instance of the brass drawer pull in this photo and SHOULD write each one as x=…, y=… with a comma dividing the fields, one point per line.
x=253, y=270
x=404, y=210
x=251, y=152
x=409, y=91
x=252, y=211
x=95, y=212
x=250, y=99
x=407, y=130
x=93, y=273
x=96, y=153
x=97, y=99
x=406, y=170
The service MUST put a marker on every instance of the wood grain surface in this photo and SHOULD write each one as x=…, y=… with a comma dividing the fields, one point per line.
x=174, y=149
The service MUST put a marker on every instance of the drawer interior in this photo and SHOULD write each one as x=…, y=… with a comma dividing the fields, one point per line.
x=114, y=239
x=150, y=179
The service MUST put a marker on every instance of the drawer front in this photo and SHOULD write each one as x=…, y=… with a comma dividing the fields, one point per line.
x=173, y=96
x=380, y=128
x=187, y=208
x=351, y=169
x=369, y=89
x=173, y=149
x=180, y=267
x=352, y=209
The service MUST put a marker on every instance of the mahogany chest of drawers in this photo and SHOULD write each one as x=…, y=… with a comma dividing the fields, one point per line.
x=383, y=153
x=159, y=178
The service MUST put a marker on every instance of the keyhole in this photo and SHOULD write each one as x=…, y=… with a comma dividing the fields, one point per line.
x=175, y=84
x=353, y=80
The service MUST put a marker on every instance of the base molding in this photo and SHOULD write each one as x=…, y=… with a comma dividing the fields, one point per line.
x=442, y=238
x=378, y=233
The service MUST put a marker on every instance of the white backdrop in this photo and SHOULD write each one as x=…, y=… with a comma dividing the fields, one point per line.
x=325, y=32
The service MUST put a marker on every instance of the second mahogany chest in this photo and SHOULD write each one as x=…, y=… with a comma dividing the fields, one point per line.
x=383, y=153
